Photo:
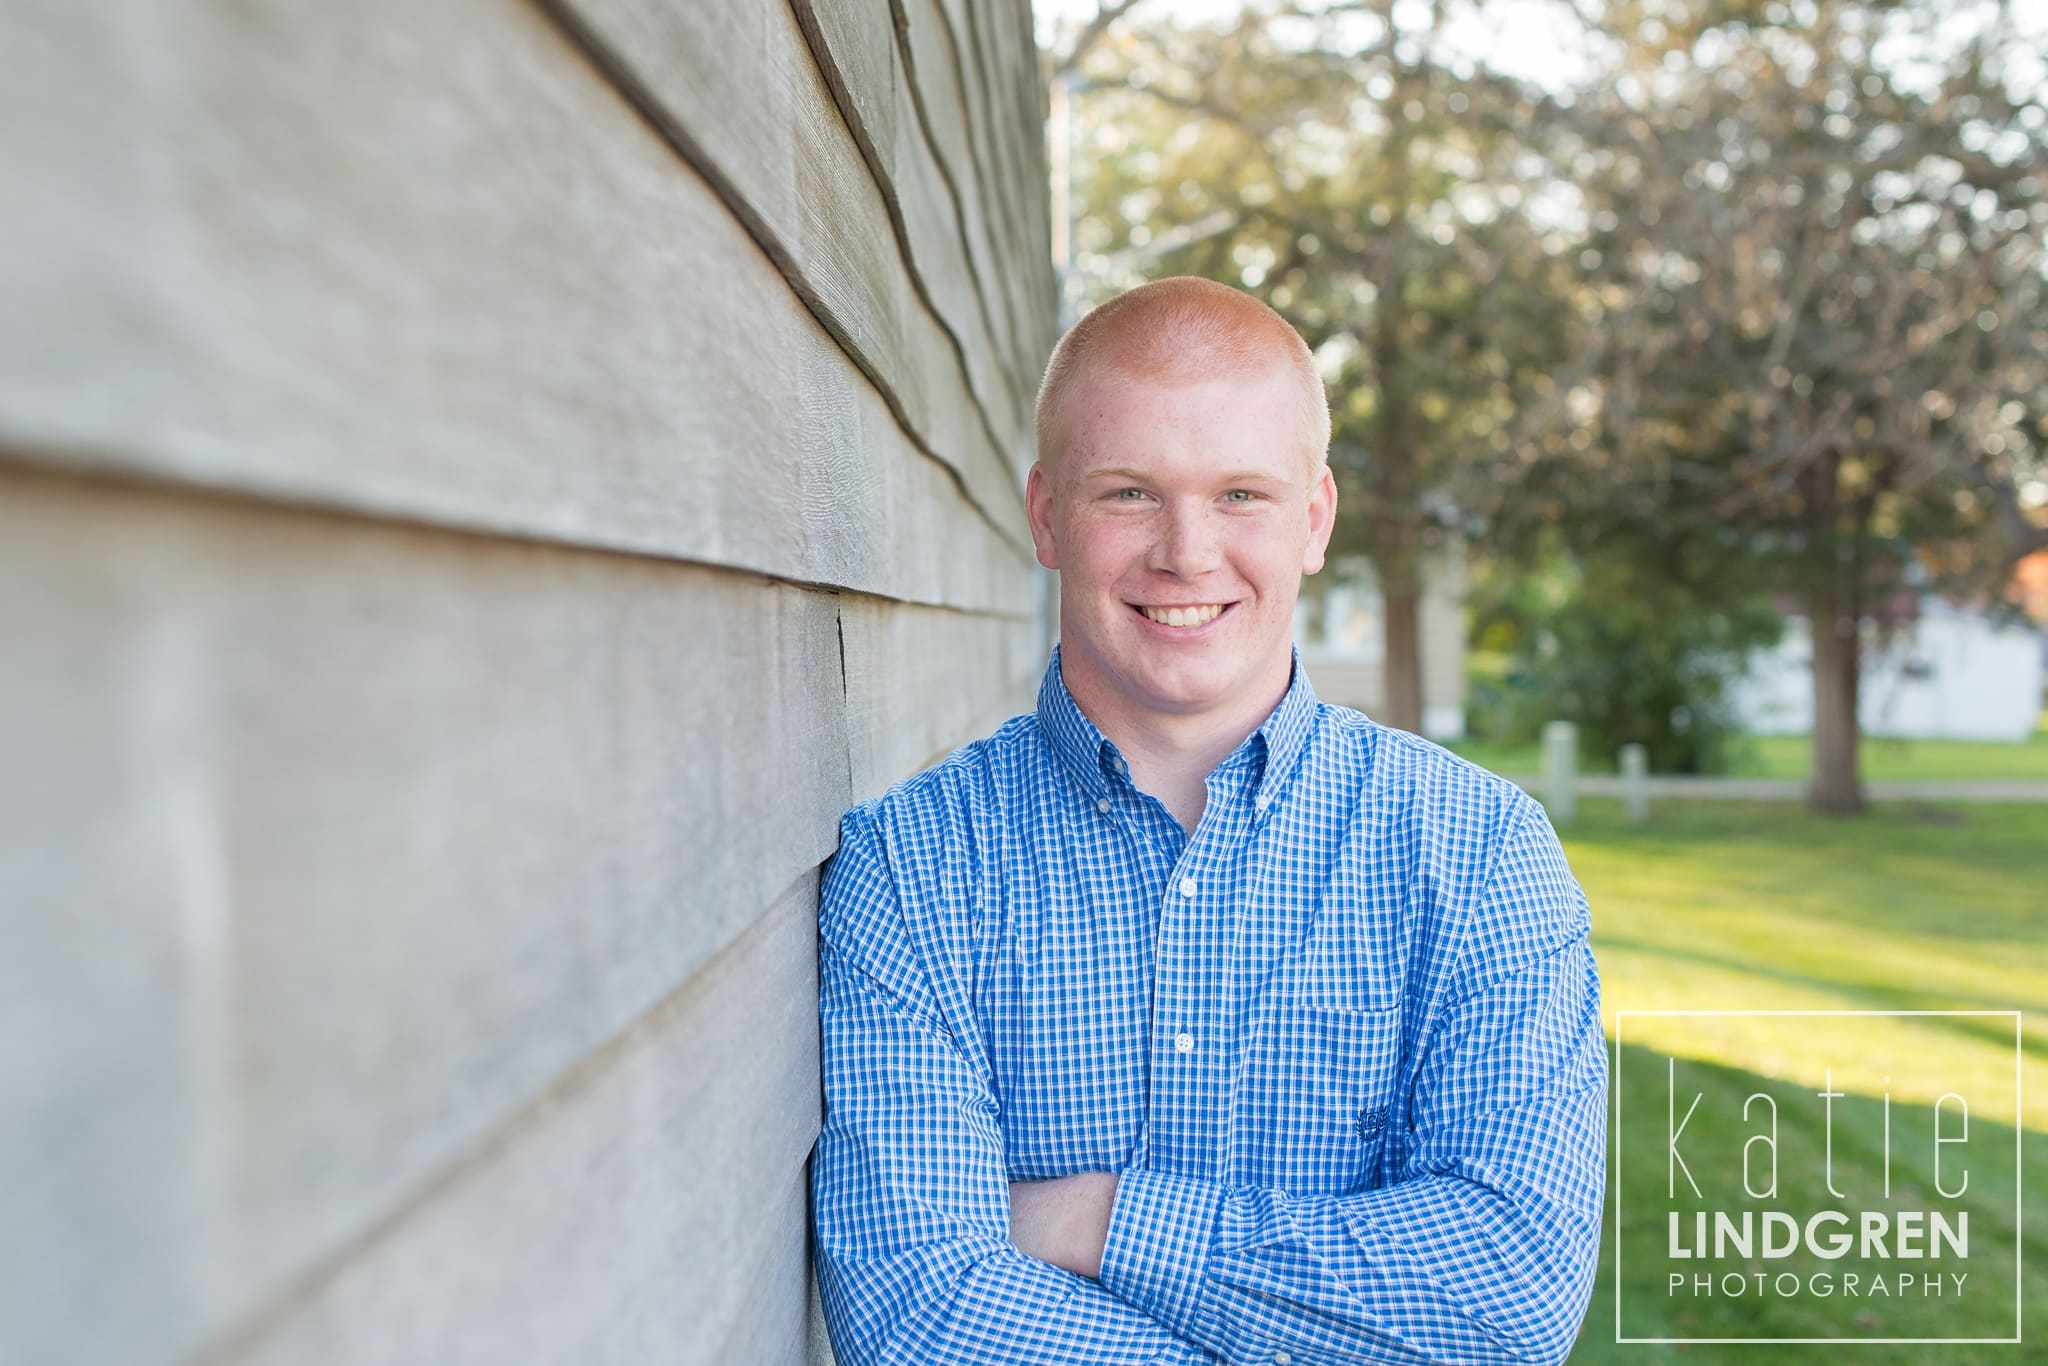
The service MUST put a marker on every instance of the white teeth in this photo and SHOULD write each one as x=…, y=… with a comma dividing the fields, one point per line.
x=1183, y=616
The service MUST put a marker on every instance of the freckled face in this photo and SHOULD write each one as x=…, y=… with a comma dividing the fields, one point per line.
x=1181, y=519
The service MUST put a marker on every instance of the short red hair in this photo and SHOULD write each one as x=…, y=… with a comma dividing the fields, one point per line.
x=1179, y=330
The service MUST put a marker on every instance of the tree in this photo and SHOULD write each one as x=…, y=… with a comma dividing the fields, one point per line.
x=1632, y=629
x=1818, y=258
x=1376, y=187
x=1761, y=290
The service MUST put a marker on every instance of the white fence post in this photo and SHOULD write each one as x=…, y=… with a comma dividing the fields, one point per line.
x=1560, y=770
x=1635, y=782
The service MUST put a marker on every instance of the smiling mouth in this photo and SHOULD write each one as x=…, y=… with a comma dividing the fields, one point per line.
x=1184, y=616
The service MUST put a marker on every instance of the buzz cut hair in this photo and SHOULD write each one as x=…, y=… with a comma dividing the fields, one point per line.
x=1180, y=330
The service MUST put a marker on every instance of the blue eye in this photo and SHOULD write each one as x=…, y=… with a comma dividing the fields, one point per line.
x=1240, y=495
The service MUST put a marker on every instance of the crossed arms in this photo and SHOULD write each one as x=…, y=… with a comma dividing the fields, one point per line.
x=1479, y=1248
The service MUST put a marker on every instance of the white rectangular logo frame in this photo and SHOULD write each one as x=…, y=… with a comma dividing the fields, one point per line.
x=2018, y=1179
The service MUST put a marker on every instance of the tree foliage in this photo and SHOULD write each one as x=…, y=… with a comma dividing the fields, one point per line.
x=1817, y=261
x=1750, y=302
x=1636, y=642
x=1377, y=191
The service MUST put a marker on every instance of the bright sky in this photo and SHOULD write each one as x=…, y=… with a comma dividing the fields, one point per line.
x=1517, y=37
x=1528, y=38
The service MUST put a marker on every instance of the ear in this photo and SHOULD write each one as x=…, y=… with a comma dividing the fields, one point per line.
x=1038, y=508
x=1322, y=520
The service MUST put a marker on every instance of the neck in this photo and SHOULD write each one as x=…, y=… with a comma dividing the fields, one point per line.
x=1172, y=754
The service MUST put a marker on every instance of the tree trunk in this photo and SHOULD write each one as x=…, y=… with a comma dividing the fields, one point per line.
x=1837, y=786
x=1835, y=609
x=1402, y=660
x=1394, y=548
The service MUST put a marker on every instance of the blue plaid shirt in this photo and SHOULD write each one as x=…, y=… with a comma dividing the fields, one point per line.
x=1342, y=1043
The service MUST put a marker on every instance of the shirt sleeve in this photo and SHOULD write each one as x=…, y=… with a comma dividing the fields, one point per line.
x=1482, y=1245
x=909, y=1185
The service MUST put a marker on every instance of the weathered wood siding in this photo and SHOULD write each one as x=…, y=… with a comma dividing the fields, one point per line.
x=483, y=486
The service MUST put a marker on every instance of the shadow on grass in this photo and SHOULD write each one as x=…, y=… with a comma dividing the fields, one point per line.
x=1859, y=1148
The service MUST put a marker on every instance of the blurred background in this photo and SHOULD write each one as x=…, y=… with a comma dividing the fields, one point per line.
x=1666, y=330
x=1689, y=368
x=485, y=485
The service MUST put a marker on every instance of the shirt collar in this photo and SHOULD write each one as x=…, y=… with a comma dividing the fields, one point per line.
x=1081, y=748
x=1088, y=755
x=1287, y=731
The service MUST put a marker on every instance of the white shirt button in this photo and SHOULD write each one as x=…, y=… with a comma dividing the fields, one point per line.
x=1187, y=886
x=1262, y=801
x=1102, y=805
x=1183, y=1043
x=1282, y=1358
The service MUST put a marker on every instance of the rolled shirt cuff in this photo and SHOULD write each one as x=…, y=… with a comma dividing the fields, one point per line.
x=1157, y=1254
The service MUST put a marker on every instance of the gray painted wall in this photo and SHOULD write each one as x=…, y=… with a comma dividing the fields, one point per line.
x=482, y=486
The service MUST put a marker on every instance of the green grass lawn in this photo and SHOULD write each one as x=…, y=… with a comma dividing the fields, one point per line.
x=1725, y=906
x=1790, y=756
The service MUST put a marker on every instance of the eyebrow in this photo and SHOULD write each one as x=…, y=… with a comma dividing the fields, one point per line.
x=1234, y=477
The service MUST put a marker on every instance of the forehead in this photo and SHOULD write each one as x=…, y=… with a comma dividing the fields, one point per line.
x=1239, y=418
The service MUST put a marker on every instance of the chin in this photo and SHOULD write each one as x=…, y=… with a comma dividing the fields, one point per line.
x=1180, y=694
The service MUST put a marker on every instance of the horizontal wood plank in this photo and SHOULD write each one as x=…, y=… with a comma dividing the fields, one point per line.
x=769, y=132
x=922, y=682
x=650, y=1209
x=1020, y=121
x=988, y=106
x=946, y=98
x=946, y=236
x=424, y=261
x=331, y=844
x=1017, y=107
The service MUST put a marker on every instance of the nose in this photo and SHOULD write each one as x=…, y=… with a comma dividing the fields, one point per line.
x=1187, y=546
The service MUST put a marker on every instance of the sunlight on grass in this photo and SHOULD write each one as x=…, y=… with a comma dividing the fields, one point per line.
x=1746, y=906
x=1914, y=1060
x=1755, y=906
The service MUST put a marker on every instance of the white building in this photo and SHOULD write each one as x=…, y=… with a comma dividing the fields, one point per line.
x=1342, y=637
x=1952, y=674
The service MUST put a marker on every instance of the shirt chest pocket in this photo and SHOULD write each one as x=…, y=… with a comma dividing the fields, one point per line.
x=1317, y=1094
x=1316, y=1098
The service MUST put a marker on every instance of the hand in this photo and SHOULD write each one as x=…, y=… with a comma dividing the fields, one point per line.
x=1066, y=1221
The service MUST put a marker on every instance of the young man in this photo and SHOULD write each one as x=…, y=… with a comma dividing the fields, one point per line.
x=1190, y=1019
